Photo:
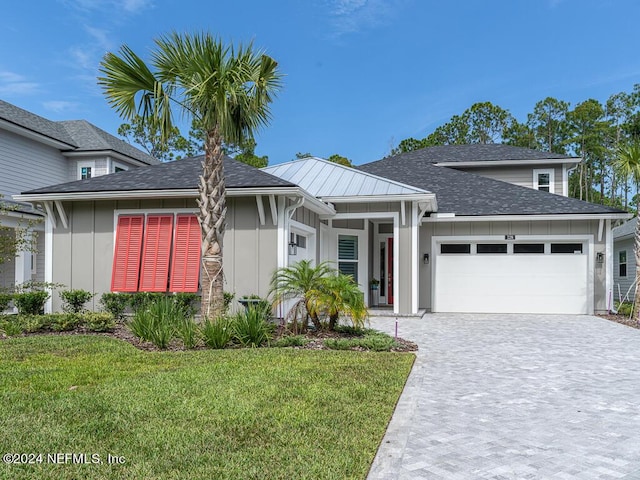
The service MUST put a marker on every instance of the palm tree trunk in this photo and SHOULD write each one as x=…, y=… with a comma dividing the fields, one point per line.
x=212, y=212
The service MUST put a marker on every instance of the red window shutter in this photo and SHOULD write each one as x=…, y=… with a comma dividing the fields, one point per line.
x=156, y=249
x=126, y=255
x=185, y=269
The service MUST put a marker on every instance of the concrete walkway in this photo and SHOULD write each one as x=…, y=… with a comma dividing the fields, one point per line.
x=515, y=397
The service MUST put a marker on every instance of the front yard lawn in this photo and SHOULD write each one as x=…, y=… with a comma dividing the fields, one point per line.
x=246, y=413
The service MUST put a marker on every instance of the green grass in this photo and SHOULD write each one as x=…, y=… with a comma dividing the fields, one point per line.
x=245, y=413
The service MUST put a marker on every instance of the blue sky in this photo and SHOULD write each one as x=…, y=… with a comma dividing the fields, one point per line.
x=361, y=75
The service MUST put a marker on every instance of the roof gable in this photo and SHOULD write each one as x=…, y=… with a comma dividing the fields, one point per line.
x=90, y=138
x=324, y=179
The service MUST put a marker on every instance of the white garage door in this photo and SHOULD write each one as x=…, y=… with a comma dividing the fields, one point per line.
x=533, y=277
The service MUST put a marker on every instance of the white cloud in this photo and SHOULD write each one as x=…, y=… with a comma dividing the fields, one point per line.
x=100, y=36
x=351, y=16
x=59, y=106
x=12, y=83
x=129, y=6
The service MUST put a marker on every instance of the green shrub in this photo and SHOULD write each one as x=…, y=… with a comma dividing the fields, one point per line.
x=187, y=330
x=625, y=309
x=374, y=341
x=290, y=341
x=73, y=300
x=228, y=298
x=5, y=300
x=10, y=328
x=187, y=302
x=251, y=327
x=141, y=300
x=115, y=304
x=64, y=322
x=33, y=323
x=30, y=303
x=217, y=333
x=157, y=322
x=98, y=321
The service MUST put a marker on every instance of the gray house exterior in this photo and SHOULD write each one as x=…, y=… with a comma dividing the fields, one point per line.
x=428, y=225
x=35, y=152
x=624, y=270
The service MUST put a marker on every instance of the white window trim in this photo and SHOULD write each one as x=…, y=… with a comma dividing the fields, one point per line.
x=625, y=263
x=115, y=165
x=86, y=164
x=542, y=171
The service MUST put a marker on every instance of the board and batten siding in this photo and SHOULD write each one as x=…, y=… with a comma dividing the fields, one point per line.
x=522, y=176
x=621, y=285
x=83, y=252
x=26, y=164
x=473, y=229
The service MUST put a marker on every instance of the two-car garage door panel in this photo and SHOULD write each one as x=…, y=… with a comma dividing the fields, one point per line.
x=532, y=283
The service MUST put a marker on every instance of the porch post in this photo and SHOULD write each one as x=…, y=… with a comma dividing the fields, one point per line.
x=414, y=258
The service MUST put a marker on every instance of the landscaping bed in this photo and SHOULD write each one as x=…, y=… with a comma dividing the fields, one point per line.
x=623, y=319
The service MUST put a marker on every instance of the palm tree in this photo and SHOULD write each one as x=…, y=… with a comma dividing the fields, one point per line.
x=298, y=282
x=339, y=295
x=628, y=163
x=227, y=90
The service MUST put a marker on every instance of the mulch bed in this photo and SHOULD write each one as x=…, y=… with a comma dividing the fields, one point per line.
x=623, y=319
x=121, y=332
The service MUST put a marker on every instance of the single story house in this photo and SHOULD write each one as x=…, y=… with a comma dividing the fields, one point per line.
x=471, y=228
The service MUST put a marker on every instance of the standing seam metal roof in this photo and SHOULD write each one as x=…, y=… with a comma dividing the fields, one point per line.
x=324, y=179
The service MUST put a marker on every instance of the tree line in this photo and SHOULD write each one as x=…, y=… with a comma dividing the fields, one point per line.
x=591, y=130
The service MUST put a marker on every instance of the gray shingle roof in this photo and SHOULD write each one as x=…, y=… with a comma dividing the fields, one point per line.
x=465, y=193
x=35, y=123
x=79, y=135
x=89, y=138
x=180, y=174
x=494, y=152
x=627, y=228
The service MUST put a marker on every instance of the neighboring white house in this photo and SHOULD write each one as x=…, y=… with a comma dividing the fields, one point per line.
x=35, y=152
x=471, y=228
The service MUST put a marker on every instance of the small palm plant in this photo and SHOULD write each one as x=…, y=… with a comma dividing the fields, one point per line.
x=339, y=296
x=297, y=282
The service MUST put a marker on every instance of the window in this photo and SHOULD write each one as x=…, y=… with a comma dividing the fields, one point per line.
x=348, y=255
x=544, y=180
x=528, y=248
x=85, y=172
x=566, y=248
x=152, y=254
x=299, y=240
x=492, y=248
x=457, y=248
x=119, y=167
x=622, y=263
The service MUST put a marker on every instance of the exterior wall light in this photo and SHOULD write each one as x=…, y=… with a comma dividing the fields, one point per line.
x=425, y=259
x=293, y=249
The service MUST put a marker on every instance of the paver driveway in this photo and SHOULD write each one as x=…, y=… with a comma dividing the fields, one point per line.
x=515, y=397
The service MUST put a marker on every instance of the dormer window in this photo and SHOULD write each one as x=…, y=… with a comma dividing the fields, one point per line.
x=543, y=179
x=86, y=169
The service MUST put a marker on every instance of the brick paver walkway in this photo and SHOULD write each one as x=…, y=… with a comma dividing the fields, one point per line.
x=515, y=397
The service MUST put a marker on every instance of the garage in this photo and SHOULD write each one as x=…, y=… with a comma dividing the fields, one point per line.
x=525, y=276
